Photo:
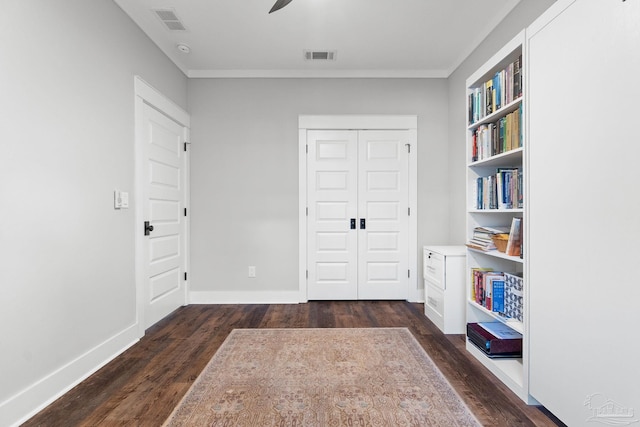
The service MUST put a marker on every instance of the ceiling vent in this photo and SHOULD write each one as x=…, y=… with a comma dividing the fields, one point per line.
x=170, y=20
x=320, y=55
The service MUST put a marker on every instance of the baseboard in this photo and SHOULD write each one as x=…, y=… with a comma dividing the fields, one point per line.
x=24, y=405
x=244, y=297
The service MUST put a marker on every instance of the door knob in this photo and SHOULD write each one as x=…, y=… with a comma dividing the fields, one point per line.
x=353, y=223
x=148, y=228
x=363, y=224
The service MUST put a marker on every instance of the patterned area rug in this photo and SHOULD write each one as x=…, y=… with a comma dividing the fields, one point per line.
x=321, y=377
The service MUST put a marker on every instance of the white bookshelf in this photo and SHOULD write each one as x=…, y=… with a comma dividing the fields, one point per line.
x=512, y=372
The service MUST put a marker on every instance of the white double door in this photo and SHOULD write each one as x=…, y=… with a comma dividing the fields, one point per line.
x=358, y=214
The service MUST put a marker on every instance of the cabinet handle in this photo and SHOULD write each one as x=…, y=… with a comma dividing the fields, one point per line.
x=353, y=223
x=363, y=224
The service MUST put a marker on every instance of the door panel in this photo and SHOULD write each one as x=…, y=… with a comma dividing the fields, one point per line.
x=164, y=198
x=383, y=200
x=332, y=244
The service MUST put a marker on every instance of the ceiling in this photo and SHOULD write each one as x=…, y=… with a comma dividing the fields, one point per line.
x=371, y=38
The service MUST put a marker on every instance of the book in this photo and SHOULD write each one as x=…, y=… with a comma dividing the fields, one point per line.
x=482, y=237
x=517, y=79
x=515, y=237
x=497, y=302
x=487, y=280
x=474, y=272
x=489, y=97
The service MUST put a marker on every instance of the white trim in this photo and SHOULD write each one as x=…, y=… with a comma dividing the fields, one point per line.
x=302, y=214
x=244, y=297
x=145, y=94
x=20, y=407
x=360, y=122
x=318, y=74
x=157, y=100
x=416, y=292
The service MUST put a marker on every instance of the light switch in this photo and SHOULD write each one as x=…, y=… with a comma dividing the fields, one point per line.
x=120, y=199
x=124, y=199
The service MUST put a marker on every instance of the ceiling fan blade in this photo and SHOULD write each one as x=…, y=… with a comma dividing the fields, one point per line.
x=279, y=5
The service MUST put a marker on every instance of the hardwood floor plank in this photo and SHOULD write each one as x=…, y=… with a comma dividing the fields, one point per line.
x=143, y=385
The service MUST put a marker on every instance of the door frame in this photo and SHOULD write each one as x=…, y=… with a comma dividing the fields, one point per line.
x=358, y=122
x=145, y=94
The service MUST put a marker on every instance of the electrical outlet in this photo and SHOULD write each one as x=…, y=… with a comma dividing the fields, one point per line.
x=252, y=271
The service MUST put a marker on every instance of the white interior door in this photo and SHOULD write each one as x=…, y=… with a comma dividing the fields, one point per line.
x=357, y=223
x=383, y=216
x=164, y=196
x=332, y=203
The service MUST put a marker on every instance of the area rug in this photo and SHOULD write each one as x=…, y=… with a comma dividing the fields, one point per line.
x=321, y=377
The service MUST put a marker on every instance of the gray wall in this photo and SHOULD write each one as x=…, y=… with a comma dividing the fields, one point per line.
x=520, y=17
x=67, y=280
x=244, y=169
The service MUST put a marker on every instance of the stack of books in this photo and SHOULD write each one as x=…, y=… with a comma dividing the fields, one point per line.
x=488, y=289
x=500, y=90
x=482, y=237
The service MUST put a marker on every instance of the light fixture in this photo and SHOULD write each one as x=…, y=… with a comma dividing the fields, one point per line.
x=183, y=48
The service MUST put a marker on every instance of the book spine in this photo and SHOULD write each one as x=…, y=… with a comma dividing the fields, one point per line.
x=498, y=296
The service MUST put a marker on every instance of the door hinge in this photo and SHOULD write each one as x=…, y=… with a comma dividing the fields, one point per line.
x=307, y=274
x=409, y=273
x=408, y=148
x=306, y=148
x=307, y=211
x=185, y=211
x=185, y=275
x=185, y=145
x=409, y=211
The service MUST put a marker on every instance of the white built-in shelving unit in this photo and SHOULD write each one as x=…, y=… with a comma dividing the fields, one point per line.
x=512, y=371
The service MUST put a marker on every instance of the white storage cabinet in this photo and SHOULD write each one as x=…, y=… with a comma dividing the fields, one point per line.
x=444, y=287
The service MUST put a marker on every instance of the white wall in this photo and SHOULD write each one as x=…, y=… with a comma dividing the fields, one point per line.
x=244, y=170
x=520, y=17
x=67, y=290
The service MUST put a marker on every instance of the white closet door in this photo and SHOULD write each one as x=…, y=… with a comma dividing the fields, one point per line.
x=332, y=186
x=583, y=219
x=383, y=218
x=357, y=224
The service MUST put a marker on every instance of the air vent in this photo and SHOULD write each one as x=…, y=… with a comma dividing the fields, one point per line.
x=320, y=55
x=170, y=20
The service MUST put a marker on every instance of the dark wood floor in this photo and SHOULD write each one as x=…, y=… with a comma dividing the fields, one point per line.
x=143, y=385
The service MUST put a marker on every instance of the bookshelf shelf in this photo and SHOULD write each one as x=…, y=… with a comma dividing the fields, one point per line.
x=497, y=211
x=512, y=323
x=507, y=158
x=488, y=187
x=509, y=108
x=509, y=371
x=497, y=254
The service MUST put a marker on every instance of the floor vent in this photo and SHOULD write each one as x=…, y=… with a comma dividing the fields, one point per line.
x=170, y=20
x=320, y=55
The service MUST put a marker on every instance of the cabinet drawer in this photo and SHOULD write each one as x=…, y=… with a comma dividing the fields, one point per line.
x=434, y=300
x=434, y=268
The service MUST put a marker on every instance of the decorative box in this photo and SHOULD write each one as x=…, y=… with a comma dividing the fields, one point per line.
x=513, y=292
